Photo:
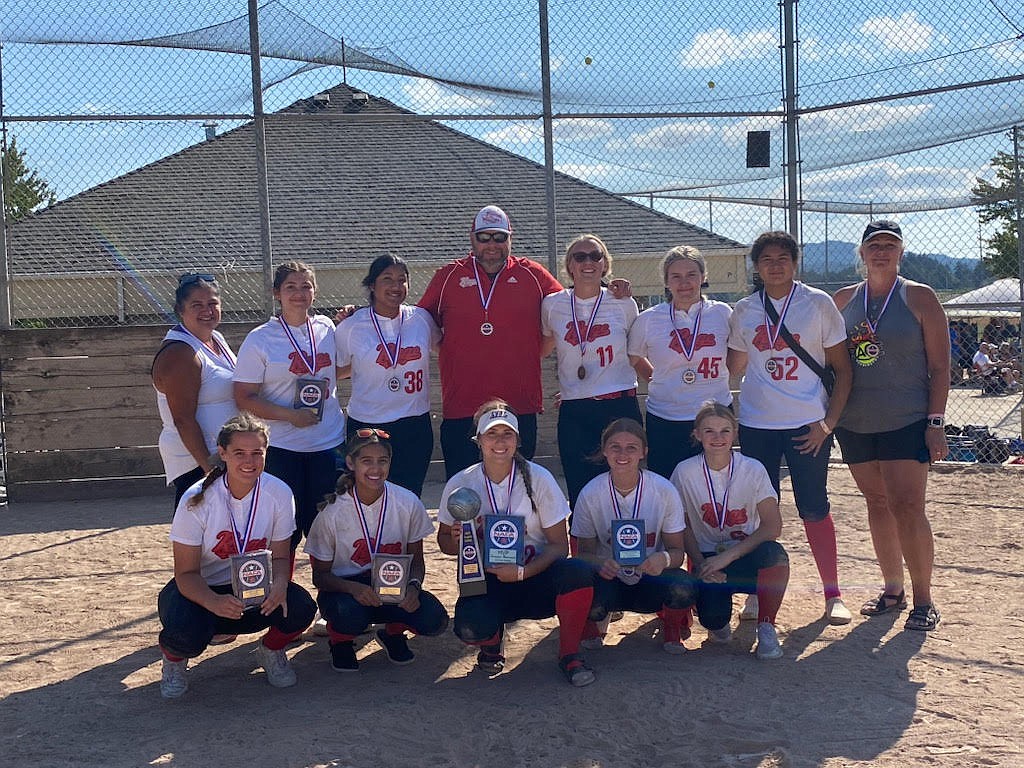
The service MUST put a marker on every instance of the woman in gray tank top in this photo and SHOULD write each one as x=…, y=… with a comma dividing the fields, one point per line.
x=892, y=427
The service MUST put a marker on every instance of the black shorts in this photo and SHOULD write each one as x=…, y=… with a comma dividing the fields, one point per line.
x=904, y=444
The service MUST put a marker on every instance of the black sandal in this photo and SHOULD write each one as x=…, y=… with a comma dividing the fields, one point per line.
x=923, y=618
x=885, y=603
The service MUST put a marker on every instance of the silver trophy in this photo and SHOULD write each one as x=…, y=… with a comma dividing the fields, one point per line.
x=464, y=506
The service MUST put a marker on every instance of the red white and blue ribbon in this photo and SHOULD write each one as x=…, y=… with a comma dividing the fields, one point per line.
x=310, y=362
x=372, y=544
x=222, y=356
x=636, y=500
x=687, y=353
x=486, y=303
x=585, y=336
x=241, y=542
x=393, y=359
x=867, y=318
x=720, y=513
x=773, y=337
x=490, y=492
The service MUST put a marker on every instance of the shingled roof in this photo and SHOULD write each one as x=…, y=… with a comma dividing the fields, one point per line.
x=341, y=189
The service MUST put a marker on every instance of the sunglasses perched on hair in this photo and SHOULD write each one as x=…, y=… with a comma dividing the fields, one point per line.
x=373, y=432
x=194, y=277
x=594, y=256
x=486, y=237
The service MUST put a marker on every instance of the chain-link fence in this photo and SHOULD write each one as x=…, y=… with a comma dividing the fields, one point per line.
x=133, y=145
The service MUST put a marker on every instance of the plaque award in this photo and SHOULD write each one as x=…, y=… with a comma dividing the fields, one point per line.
x=464, y=506
x=311, y=395
x=628, y=546
x=504, y=540
x=389, y=577
x=251, y=576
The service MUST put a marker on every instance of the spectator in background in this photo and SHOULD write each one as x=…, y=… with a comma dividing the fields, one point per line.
x=996, y=378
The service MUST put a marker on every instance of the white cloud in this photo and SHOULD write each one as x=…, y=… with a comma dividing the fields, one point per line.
x=717, y=46
x=876, y=181
x=864, y=118
x=428, y=96
x=671, y=136
x=904, y=33
x=517, y=133
x=596, y=173
x=581, y=129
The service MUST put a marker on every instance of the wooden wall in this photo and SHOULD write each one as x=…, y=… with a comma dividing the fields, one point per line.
x=80, y=417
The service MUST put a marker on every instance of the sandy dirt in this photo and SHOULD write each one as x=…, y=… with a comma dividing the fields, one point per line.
x=79, y=667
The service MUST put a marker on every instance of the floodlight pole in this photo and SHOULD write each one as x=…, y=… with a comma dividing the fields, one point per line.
x=1020, y=248
x=792, y=146
x=263, y=184
x=6, y=313
x=549, y=148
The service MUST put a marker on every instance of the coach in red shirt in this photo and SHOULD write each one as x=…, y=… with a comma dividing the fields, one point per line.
x=488, y=308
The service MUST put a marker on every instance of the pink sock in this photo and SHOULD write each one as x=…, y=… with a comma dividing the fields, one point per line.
x=771, y=587
x=822, y=538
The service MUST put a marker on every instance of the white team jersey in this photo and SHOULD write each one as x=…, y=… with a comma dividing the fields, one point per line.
x=604, y=358
x=215, y=404
x=208, y=524
x=660, y=509
x=750, y=485
x=552, y=506
x=382, y=393
x=779, y=391
x=337, y=536
x=679, y=386
x=267, y=358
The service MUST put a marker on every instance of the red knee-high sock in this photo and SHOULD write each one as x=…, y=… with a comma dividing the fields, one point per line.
x=397, y=628
x=771, y=587
x=492, y=641
x=275, y=639
x=170, y=656
x=590, y=629
x=822, y=538
x=675, y=623
x=572, y=609
x=337, y=637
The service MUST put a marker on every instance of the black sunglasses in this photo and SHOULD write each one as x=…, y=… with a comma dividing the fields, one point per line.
x=594, y=256
x=486, y=237
x=194, y=277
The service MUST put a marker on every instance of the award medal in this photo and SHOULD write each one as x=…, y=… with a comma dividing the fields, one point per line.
x=221, y=357
x=771, y=365
x=372, y=544
x=721, y=512
x=867, y=351
x=689, y=375
x=393, y=383
x=493, y=499
x=486, y=329
x=242, y=541
x=581, y=372
x=308, y=362
x=630, y=575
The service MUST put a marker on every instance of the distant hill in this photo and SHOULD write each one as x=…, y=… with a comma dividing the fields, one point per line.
x=940, y=271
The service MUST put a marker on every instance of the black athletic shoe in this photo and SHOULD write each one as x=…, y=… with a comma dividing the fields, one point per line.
x=343, y=657
x=395, y=647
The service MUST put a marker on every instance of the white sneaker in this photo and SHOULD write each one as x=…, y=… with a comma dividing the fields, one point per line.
x=275, y=663
x=723, y=635
x=173, y=682
x=676, y=649
x=749, y=610
x=836, y=611
x=768, y=646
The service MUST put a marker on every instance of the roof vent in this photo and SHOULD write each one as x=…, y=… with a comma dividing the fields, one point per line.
x=322, y=99
x=211, y=129
x=360, y=99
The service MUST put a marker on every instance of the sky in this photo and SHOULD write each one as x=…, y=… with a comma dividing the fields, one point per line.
x=608, y=59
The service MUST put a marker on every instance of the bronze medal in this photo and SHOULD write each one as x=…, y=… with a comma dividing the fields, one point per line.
x=486, y=329
x=581, y=373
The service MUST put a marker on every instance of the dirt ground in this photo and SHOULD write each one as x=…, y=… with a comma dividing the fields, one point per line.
x=79, y=666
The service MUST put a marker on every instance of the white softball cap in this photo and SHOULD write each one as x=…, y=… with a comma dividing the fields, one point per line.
x=495, y=418
x=492, y=219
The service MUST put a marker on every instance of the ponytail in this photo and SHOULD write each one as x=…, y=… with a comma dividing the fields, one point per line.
x=210, y=479
x=346, y=482
x=524, y=469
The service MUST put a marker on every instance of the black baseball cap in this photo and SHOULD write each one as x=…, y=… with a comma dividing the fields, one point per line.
x=882, y=227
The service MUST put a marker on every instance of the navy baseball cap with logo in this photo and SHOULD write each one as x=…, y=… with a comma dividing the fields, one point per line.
x=882, y=227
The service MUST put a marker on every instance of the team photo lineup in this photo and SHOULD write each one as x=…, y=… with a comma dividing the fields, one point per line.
x=661, y=515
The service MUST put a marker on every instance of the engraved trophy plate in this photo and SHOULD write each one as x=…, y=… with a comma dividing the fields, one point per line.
x=628, y=545
x=311, y=394
x=251, y=577
x=464, y=506
x=389, y=577
x=504, y=540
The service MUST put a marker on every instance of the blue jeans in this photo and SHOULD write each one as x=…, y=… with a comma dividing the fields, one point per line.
x=808, y=474
x=714, y=601
x=188, y=627
x=347, y=616
x=673, y=588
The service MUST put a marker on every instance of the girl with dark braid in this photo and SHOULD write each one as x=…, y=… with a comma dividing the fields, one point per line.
x=547, y=583
x=236, y=508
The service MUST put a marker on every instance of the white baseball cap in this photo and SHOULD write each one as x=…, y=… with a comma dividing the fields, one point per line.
x=495, y=418
x=491, y=218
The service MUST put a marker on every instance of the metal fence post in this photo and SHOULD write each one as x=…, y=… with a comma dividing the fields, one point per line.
x=549, y=147
x=263, y=185
x=792, y=144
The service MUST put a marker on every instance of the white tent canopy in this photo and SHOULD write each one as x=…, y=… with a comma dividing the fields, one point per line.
x=1000, y=299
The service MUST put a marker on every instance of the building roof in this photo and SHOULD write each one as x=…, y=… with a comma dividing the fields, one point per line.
x=340, y=189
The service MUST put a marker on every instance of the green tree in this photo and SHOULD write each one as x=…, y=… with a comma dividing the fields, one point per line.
x=24, y=189
x=997, y=203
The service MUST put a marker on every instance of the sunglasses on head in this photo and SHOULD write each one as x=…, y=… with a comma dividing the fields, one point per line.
x=373, y=432
x=194, y=277
x=594, y=256
x=486, y=237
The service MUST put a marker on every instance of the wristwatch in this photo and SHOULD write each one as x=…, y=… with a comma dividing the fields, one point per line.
x=416, y=583
x=937, y=422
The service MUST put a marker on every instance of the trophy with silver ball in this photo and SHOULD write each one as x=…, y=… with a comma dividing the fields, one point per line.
x=464, y=506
